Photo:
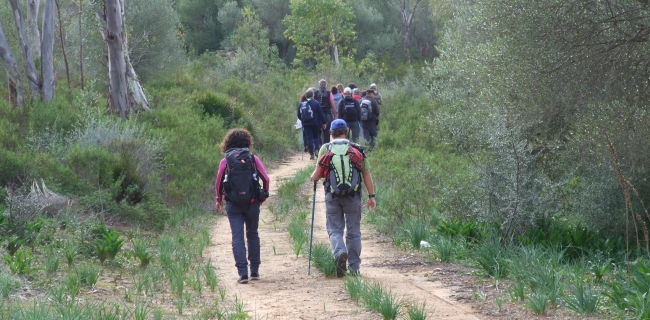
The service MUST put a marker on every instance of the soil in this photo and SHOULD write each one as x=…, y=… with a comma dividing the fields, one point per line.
x=285, y=291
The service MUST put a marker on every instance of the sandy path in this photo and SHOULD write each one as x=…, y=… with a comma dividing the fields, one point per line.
x=286, y=292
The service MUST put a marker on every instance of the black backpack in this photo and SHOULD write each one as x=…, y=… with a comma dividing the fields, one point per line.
x=350, y=110
x=305, y=112
x=323, y=97
x=240, y=183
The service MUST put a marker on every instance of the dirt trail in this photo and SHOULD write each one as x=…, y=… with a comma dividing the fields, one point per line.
x=286, y=292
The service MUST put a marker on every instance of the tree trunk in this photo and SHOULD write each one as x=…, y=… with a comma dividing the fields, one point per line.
x=336, y=50
x=13, y=72
x=114, y=37
x=407, y=50
x=28, y=58
x=81, y=46
x=47, y=53
x=33, y=8
x=407, y=19
x=137, y=98
x=65, y=56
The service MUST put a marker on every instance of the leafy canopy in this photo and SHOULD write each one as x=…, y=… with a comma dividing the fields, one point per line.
x=317, y=26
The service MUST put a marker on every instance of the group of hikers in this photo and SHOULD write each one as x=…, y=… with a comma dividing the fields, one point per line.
x=358, y=108
x=324, y=114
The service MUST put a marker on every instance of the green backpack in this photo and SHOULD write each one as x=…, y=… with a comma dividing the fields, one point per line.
x=344, y=174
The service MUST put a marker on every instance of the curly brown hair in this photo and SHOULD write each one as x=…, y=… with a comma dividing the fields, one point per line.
x=237, y=138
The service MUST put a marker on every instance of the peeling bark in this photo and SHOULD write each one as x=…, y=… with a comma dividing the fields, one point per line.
x=113, y=35
x=28, y=58
x=126, y=92
x=13, y=72
x=47, y=55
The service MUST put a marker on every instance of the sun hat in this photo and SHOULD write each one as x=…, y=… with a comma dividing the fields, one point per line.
x=338, y=124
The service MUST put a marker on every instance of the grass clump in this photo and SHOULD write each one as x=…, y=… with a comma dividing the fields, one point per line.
x=584, y=298
x=88, y=274
x=323, y=259
x=298, y=231
x=8, y=283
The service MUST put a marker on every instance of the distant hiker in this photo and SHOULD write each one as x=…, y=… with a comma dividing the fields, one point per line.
x=238, y=185
x=369, y=118
x=313, y=119
x=340, y=87
x=352, y=86
x=350, y=111
x=338, y=96
x=378, y=96
x=356, y=93
x=326, y=100
x=304, y=137
x=343, y=195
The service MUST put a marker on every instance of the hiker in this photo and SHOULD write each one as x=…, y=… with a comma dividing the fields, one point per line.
x=237, y=185
x=338, y=96
x=352, y=86
x=312, y=117
x=378, y=96
x=326, y=100
x=304, y=137
x=343, y=196
x=350, y=111
x=340, y=88
x=356, y=94
x=369, y=118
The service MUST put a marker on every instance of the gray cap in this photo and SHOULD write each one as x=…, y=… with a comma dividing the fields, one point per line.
x=356, y=91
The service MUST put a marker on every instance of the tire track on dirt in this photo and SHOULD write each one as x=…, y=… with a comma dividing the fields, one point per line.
x=286, y=292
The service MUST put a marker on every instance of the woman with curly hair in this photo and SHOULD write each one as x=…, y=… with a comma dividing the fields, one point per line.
x=237, y=185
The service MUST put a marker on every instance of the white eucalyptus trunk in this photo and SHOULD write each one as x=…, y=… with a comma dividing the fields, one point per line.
x=33, y=8
x=13, y=72
x=28, y=58
x=47, y=55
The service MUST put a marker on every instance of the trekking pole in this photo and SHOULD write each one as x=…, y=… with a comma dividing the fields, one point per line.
x=311, y=235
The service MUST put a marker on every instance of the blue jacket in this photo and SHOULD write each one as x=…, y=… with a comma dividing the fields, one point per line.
x=319, y=117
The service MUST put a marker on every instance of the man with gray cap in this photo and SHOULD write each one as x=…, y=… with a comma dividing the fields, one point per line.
x=349, y=110
x=378, y=97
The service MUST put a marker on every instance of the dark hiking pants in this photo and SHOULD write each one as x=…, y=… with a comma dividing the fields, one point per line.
x=369, y=132
x=326, y=133
x=249, y=217
x=354, y=131
x=312, y=137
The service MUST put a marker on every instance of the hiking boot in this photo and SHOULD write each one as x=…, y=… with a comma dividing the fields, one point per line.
x=243, y=279
x=255, y=276
x=306, y=149
x=341, y=263
x=355, y=273
x=311, y=157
